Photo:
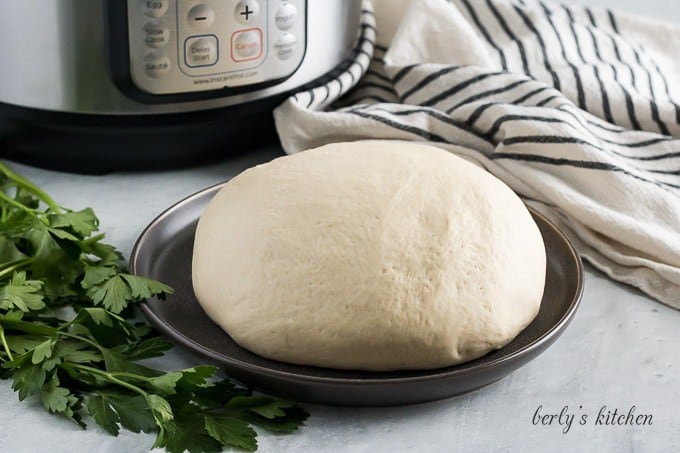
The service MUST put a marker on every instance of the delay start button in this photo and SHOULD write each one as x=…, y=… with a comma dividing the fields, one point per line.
x=201, y=51
x=285, y=46
x=156, y=65
x=246, y=44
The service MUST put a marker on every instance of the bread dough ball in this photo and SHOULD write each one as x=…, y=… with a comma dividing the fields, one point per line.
x=373, y=255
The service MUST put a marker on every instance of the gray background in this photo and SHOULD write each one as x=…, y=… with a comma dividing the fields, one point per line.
x=621, y=350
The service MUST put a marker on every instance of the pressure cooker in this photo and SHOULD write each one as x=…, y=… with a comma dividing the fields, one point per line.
x=95, y=85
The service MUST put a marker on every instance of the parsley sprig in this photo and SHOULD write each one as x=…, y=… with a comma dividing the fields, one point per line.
x=52, y=263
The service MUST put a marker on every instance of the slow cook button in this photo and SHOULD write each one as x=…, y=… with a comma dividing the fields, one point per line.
x=156, y=65
x=153, y=8
x=285, y=16
x=246, y=45
x=155, y=35
x=201, y=51
x=285, y=46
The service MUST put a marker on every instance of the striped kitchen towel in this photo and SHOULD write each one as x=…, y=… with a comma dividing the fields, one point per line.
x=576, y=109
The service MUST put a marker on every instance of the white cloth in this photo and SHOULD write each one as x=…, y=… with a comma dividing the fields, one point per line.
x=575, y=108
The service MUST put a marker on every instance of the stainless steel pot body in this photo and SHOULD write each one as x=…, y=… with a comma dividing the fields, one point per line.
x=145, y=57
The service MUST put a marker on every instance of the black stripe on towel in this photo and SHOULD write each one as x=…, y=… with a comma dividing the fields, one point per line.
x=547, y=100
x=378, y=86
x=370, y=97
x=617, y=52
x=560, y=140
x=459, y=87
x=402, y=73
x=485, y=33
x=517, y=117
x=429, y=79
x=484, y=94
x=328, y=92
x=630, y=107
x=580, y=93
x=482, y=108
x=378, y=75
x=578, y=164
x=504, y=25
x=652, y=102
x=541, y=44
x=402, y=127
x=436, y=114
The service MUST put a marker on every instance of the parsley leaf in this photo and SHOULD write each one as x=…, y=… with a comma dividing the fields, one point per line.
x=99, y=408
x=149, y=348
x=166, y=383
x=82, y=223
x=290, y=423
x=115, y=292
x=90, y=364
x=28, y=379
x=9, y=251
x=96, y=274
x=22, y=294
x=42, y=351
x=232, y=431
x=54, y=398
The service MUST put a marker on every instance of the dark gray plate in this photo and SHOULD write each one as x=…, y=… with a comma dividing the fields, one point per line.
x=164, y=251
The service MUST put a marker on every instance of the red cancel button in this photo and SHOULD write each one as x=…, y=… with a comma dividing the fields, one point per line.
x=246, y=44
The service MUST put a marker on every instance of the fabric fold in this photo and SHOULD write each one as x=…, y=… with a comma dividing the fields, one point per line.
x=575, y=108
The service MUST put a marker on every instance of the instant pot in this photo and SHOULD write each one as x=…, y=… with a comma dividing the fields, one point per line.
x=94, y=85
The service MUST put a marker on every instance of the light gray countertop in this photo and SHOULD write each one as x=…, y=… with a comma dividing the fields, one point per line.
x=621, y=350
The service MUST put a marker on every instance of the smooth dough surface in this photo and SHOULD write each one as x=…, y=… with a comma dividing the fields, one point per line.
x=374, y=255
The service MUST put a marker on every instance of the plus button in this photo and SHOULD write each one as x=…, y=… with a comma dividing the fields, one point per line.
x=246, y=13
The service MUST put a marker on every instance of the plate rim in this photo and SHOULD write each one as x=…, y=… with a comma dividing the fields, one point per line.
x=429, y=375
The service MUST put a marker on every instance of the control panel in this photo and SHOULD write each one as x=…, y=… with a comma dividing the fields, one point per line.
x=186, y=46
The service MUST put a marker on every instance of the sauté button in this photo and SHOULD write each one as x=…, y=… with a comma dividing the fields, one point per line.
x=246, y=45
x=156, y=65
x=201, y=51
x=155, y=35
x=247, y=11
x=201, y=16
x=285, y=46
x=153, y=8
x=285, y=16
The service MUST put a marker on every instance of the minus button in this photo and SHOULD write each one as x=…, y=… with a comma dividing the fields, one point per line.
x=201, y=16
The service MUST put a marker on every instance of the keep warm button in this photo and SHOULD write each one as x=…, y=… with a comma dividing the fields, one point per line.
x=201, y=51
x=246, y=44
x=285, y=46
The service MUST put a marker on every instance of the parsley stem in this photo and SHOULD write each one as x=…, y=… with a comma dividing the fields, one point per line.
x=4, y=343
x=83, y=339
x=96, y=238
x=16, y=204
x=111, y=378
x=26, y=184
x=31, y=328
x=15, y=266
x=102, y=349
